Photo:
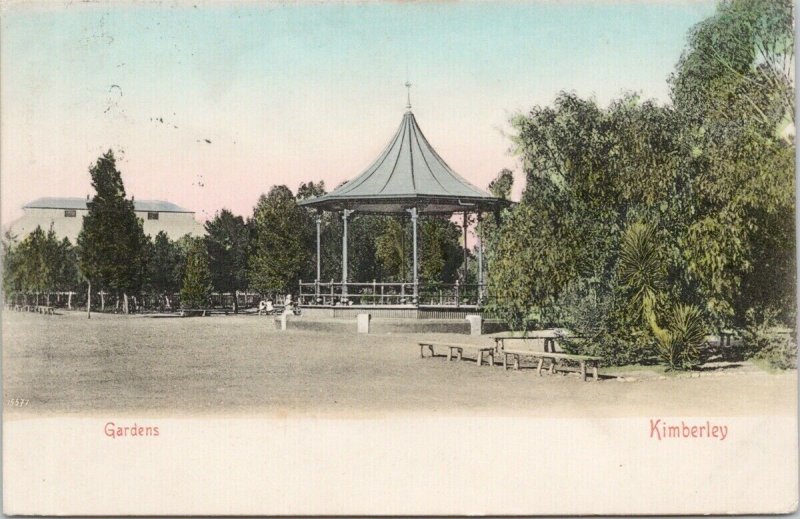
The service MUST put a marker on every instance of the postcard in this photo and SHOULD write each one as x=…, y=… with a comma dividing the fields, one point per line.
x=381, y=258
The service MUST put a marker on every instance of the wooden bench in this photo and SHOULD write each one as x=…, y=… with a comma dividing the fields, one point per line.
x=549, y=341
x=582, y=360
x=458, y=349
x=46, y=310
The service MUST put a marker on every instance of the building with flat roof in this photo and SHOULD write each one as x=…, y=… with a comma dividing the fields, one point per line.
x=66, y=217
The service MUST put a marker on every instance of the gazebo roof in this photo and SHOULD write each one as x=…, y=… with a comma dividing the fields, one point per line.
x=409, y=173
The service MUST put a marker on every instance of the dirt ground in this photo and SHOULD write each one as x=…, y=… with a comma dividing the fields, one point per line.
x=242, y=365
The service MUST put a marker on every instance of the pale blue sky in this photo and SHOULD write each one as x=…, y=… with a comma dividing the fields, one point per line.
x=287, y=93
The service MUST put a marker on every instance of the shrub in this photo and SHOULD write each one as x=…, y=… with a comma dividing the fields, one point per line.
x=614, y=349
x=762, y=339
x=679, y=345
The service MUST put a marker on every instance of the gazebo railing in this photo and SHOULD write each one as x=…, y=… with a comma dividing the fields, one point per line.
x=382, y=293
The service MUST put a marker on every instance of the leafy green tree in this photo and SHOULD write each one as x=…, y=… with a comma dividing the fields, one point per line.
x=226, y=242
x=196, y=290
x=734, y=90
x=67, y=275
x=34, y=272
x=12, y=266
x=393, y=246
x=441, y=252
x=502, y=184
x=112, y=244
x=282, y=243
x=310, y=189
x=166, y=267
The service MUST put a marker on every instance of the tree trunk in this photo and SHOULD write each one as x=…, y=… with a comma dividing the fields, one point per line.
x=102, y=301
x=125, y=303
x=89, y=301
x=69, y=300
x=235, y=301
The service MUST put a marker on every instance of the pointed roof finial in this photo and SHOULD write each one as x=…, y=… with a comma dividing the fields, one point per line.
x=408, y=103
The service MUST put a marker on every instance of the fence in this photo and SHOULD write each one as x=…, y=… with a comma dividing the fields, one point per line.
x=137, y=303
x=381, y=293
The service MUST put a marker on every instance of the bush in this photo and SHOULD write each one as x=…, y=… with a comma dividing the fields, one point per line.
x=763, y=339
x=615, y=350
x=679, y=345
x=607, y=327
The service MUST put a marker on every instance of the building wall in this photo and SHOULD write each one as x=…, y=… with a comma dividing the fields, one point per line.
x=175, y=225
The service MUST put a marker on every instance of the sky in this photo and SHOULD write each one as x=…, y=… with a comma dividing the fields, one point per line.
x=208, y=105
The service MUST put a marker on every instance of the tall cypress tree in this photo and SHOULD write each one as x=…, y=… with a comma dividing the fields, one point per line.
x=112, y=242
x=196, y=290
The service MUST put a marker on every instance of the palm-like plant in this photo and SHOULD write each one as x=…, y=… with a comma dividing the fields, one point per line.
x=640, y=265
x=642, y=270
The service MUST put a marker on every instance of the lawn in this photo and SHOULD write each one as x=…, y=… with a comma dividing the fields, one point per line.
x=243, y=365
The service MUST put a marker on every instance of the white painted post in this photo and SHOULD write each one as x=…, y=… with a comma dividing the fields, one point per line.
x=414, y=216
x=475, y=324
x=345, y=214
x=480, y=262
x=319, y=223
x=362, y=321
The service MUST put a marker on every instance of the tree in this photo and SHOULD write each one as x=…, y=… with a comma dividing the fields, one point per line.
x=502, y=184
x=734, y=90
x=311, y=190
x=442, y=253
x=112, y=243
x=282, y=243
x=196, y=290
x=166, y=266
x=226, y=242
x=739, y=63
x=393, y=244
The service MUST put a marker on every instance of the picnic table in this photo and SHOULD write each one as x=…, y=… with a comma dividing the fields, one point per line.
x=458, y=349
x=549, y=354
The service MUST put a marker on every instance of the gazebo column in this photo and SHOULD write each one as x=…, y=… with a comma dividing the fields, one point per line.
x=466, y=250
x=414, y=216
x=345, y=214
x=480, y=260
x=318, y=220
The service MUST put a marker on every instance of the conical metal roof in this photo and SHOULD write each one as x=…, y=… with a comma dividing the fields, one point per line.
x=409, y=173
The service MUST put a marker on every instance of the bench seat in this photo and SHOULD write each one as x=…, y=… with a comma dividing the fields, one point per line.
x=458, y=349
x=582, y=360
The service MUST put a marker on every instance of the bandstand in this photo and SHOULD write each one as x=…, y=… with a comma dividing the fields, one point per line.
x=408, y=178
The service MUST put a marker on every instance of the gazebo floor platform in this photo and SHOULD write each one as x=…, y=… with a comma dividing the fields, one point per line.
x=385, y=325
x=392, y=311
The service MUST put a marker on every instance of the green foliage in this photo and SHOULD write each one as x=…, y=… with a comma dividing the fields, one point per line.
x=502, y=184
x=641, y=267
x=441, y=254
x=734, y=90
x=40, y=263
x=763, y=339
x=196, y=290
x=112, y=244
x=588, y=309
x=282, y=243
x=393, y=248
x=311, y=189
x=227, y=240
x=678, y=345
x=713, y=174
x=740, y=62
x=166, y=265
